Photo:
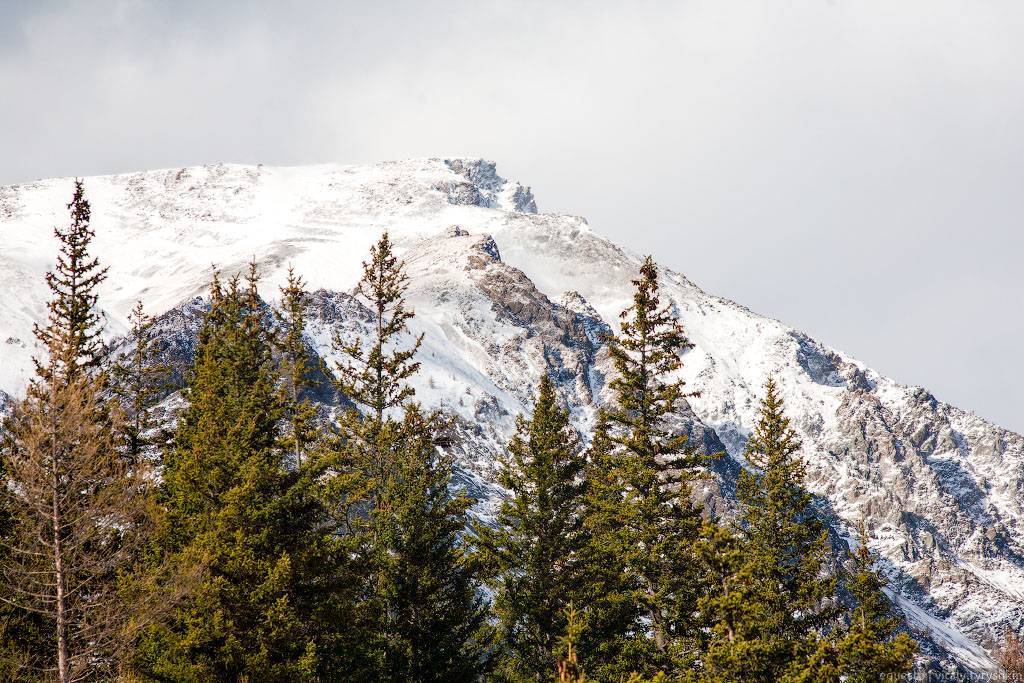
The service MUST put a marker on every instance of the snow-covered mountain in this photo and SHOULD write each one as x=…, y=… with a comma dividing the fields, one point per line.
x=504, y=293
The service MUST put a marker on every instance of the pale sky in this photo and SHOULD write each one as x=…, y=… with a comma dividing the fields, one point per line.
x=851, y=167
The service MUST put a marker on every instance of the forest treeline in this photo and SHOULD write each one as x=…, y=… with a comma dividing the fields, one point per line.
x=256, y=539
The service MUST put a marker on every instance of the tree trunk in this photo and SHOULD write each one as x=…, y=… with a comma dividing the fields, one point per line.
x=59, y=579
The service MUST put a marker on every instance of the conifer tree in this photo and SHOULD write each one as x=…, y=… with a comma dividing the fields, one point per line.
x=722, y=600
x=568, y=668
x=422, y=590
x=376, y=378
x=872, y=648
x=571, y=670
x=771, y=622
x=139, y=379
x=73, y=508
x=78, y=518
x=73, y=333
x=432, y=618
x=535, y=553
x=238, y=518
x=655, y=526
x=614, y=642
x=295, y=369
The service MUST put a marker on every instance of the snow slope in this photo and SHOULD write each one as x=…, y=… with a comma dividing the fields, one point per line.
x=502, y=293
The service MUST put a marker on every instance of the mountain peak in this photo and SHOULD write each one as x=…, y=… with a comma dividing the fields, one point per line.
x=937, y=487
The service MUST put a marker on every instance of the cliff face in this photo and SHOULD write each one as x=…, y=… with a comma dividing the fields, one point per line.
x=503, y=293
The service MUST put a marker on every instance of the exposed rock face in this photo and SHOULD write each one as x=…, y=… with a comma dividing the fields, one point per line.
x=482, y=186
x=502, y=294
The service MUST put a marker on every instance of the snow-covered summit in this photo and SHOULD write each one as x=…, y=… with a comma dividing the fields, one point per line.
x=502, y=293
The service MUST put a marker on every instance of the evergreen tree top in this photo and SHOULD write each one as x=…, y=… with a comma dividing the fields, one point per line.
x=72, y=335
x=295, y=368
x=773, y=440
x=376, y=377
x=647, y=355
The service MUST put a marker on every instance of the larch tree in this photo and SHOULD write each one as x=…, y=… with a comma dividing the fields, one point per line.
x=79, y=520
x=655, y=526
x=75, y=509
x=534, y=555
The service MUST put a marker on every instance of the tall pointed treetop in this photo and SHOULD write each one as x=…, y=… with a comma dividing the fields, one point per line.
x=139, y=381
x=72, y=335
x=774, y=441
x=376, y=377
x=647, y=357
x=776, y=616
x=652, y=528
x=873, y=648
x=295, y=368
x=534, y=556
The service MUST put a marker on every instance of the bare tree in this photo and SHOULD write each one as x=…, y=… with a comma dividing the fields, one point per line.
x=78, y=516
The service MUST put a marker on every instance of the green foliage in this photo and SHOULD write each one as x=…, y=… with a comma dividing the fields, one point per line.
x=376, y=377
x=139, y=380
x=869, y=647
x=872, y=648
x=776, y=607
x=238, y=519
x=571, y=670
x=287, y=551
x=614, y=641
x=295, y=369
x=643, y=515
x=534, y=555
x=432, y=618
x=426, y=618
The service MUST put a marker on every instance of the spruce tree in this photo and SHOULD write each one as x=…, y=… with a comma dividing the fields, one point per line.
x=872, y=648
x=432, y=617
x=295, y=368
x=73, y=333
x=421, y=589
x=614, y=642
x=655, y=525
x=771, y=622
x=376, y=377
x=139, y=380
x=723, y=597
x=534, y=555
x=569, y=669
x=237, y=518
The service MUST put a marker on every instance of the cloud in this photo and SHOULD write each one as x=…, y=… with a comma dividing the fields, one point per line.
x=852, y=168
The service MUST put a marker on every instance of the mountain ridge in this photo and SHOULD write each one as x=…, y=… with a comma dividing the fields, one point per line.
x=502, y=293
